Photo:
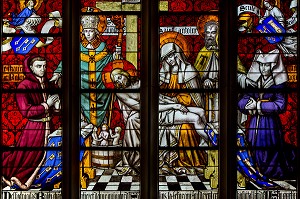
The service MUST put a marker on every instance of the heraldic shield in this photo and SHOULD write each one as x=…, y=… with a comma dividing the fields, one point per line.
x=271, y=26
x=23, y=45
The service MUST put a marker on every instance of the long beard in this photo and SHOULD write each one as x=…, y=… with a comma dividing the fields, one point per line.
x=210, y=43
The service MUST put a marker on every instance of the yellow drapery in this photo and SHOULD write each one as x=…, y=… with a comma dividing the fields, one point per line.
x=188, y=136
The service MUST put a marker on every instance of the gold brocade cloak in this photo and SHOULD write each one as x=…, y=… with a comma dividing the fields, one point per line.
x=203, y=58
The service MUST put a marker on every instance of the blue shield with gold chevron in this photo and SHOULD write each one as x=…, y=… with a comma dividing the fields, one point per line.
x=271, y=26
x=23, y=45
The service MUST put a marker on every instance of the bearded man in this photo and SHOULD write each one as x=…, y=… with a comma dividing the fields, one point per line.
x=130, y=105
x=207, y=64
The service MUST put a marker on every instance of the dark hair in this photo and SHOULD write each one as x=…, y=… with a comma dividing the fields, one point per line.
x=36, y=59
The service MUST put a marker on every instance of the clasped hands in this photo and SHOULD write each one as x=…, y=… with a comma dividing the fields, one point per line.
x=53, y=100
x=251, y=106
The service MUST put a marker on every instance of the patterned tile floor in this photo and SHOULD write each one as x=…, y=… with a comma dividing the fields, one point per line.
x=109, y=180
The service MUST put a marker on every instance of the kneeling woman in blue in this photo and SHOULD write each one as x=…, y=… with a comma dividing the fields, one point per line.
x=264, y=134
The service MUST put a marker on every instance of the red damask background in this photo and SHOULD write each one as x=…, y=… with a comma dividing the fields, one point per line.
x=173, y=5
x=247, y=46
x=12, y=121
x=192, y=5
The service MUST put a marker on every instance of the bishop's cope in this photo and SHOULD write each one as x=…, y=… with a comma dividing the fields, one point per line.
x=94, y=57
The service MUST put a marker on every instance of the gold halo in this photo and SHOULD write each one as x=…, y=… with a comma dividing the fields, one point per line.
x=118, y=63
x=102, y=19
x=177, y=38
x=36, y=6
x=203, y=20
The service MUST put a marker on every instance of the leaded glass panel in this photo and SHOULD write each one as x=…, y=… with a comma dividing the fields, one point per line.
x=110, y=98
x=188, y=98
x=267, y=100
x=31, y=119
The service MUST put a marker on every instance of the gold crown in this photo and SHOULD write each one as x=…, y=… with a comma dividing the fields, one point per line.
x=89, y=21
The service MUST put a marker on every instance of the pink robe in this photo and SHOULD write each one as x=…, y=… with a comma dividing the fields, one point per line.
x=23, y=164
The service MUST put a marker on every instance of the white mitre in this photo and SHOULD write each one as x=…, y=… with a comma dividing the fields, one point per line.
x=89, y=21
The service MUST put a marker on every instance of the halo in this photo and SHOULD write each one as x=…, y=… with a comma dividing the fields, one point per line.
x=118, y=63
x=36, y=6
x=203, y=20
x=102, y=19
x=177, y=38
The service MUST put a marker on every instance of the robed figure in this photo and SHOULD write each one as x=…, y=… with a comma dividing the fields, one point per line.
x=181, y=116
x=265, y=135
x=20, y=167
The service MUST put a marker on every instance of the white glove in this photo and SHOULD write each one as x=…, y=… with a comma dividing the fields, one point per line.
x=52, y=99
x=118, y=53
x=251, y=104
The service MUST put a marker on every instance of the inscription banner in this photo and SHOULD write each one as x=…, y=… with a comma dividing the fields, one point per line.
x=12, y=73
x=203, y=194
x=185, y=30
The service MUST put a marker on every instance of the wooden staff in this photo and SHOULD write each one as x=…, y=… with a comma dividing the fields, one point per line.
x=119, y=22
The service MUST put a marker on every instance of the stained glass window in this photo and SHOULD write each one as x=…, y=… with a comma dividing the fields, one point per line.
x=267, y=99
x=31, y=122
x=110, y=98
x=159, y=99
x=188, y=98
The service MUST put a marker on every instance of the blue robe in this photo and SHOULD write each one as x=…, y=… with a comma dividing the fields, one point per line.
x=51, y=172
x=19, y=19
x=265, y=133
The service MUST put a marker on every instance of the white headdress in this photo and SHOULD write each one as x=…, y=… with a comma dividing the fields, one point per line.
x=273, y=57
x=186, y=72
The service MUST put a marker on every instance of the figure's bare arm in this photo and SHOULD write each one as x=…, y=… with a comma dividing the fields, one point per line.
x=180, y=107
x=165, y=107
x=129, y=100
